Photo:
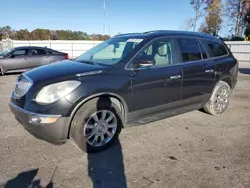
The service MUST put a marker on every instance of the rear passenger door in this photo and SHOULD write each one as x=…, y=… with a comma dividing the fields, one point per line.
x=38, y=57
x=198, y=70
x=54, y=56
x=220, y=57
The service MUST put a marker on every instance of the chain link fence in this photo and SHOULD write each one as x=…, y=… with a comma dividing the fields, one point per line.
x=240, y=49
x=1, y=46
x=73, y=48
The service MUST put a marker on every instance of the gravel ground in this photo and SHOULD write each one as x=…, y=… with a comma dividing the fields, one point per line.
x=188, y=150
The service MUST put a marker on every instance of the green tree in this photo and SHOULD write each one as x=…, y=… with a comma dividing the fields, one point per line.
x=22, y=34
x=45, y=34
x=40, y=34
x=213, y=19
x=5, y=31
x=246, y=20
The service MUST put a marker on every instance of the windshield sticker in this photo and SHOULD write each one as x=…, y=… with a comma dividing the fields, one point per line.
x=135, y=40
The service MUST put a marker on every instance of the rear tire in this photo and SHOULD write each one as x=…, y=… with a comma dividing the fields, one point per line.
x=104, y=132
x=219, y=100
x=1, y=72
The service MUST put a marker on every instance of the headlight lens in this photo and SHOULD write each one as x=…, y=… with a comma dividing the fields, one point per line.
x=54, y=92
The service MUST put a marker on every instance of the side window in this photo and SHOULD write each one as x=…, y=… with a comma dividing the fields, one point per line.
x=190, y=49
x=38, y=52
x=216, y=48
x=50, y=52
x=159, y=51
x=20, y=53
x=203, y=52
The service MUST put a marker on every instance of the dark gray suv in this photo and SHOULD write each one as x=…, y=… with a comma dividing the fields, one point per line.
x=127, y=78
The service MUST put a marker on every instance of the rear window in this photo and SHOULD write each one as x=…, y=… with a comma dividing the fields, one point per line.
x=38, y=52
x=51, y=52
x=216, y=48
x=190, y=49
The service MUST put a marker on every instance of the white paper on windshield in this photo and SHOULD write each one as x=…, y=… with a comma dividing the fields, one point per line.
x=135, y=40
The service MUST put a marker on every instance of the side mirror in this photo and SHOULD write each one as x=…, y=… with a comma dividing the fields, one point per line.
x=144, y=63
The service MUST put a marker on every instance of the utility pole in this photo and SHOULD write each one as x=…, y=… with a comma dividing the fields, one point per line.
x=104, y=15
x=109, y=29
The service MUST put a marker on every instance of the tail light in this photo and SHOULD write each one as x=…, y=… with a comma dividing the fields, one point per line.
x=66, y=56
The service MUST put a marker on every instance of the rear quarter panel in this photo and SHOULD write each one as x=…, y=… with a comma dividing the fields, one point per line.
x=226, y=69
x=55, y=58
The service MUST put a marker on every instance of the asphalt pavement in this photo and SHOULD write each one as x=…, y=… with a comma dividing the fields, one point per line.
x=190, y=150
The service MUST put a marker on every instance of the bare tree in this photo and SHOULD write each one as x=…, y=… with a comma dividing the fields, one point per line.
x=197, y=6
x=189, y=23
x=235, y=11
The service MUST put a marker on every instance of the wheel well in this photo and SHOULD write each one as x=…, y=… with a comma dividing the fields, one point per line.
x=118, y=102
x=228, y=81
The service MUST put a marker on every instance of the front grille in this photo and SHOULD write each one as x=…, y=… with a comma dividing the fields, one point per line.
x=23, y=85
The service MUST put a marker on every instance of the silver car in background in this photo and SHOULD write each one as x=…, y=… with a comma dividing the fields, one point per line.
x=20, y=59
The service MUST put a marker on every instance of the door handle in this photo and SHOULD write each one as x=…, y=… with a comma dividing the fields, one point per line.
x=175, y=77
x=209, y=70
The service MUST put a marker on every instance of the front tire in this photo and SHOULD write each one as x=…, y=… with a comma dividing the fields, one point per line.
x=1, y=72
x=96, y=125
x=219, y=100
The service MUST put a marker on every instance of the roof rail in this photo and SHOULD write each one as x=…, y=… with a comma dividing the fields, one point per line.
x=124, y=34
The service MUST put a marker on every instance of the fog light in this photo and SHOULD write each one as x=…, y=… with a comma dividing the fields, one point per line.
x=35, y=119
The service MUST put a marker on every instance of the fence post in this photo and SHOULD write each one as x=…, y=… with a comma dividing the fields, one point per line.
x=72, y=50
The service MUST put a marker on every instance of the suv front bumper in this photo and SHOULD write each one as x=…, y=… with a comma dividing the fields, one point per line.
x=52, y=128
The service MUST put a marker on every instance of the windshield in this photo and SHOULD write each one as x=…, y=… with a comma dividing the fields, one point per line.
x=4, y=52
x=110, y=51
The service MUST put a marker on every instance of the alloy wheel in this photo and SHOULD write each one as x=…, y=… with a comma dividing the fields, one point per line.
x=100, y=128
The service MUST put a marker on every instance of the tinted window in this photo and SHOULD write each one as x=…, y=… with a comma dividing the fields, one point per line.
x=159, y=51
x=51, y=52
x=20, y=52
x=217, y=48
x=189, y=49
x=38, y=52
x=203, y=52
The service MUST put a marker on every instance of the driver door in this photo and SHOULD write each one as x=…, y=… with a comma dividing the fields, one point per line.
x=18, y=60
x=157, y=85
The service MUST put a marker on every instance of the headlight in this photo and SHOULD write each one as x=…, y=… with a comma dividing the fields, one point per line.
x=54, y=92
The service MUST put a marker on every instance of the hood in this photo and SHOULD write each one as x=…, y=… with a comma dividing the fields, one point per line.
x=62, y=70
